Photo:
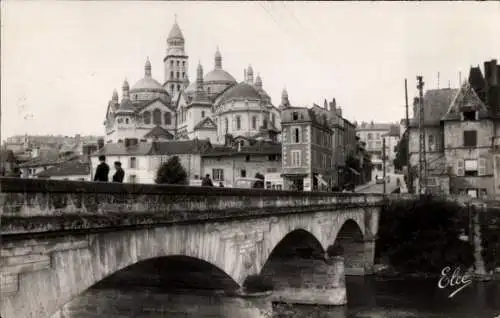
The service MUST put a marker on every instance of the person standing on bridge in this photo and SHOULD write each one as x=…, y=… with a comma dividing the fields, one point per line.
x=119, y=174
x=102, y=170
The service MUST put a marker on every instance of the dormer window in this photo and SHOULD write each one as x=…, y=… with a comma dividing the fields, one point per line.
x=469, y=115
x=295, y=116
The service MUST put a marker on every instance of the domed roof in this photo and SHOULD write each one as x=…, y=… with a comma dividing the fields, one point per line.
x=219, y=75
x=147, y=84
x=241, y=91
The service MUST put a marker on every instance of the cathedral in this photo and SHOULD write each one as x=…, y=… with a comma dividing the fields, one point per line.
x=212, y=108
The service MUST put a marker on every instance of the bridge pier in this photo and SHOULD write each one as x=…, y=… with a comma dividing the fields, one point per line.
x=359, y=257
x=308, y=281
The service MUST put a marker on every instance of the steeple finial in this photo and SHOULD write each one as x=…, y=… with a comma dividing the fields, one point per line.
x=218, y=59
x=250, y=74
x=147, y=68
x=199, y=77
x=115, y=96
x=125, y=88
x=258, y=81
x=284, y=98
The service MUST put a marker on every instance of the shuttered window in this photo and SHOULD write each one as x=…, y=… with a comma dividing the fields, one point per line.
x=481, y=167
x=460, y=168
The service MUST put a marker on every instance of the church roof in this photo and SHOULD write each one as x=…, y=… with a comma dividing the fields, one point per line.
x=148, y=84
x=219, y=75
x=159, y=132
x=241, y=91
x=175, y=32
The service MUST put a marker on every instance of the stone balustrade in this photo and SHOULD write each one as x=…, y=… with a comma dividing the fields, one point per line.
x=37, y=205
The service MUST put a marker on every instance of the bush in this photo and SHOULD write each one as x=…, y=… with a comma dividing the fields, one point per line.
x=171, y=172
x=423, y=235
x=257, y=283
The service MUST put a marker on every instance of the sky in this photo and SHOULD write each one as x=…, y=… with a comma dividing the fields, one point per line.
x=60, y=61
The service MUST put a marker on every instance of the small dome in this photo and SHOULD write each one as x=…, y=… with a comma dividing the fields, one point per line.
x=218, y=76
x=241, y=91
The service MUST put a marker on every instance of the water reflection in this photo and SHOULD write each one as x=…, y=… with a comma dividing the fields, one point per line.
x=368, y=297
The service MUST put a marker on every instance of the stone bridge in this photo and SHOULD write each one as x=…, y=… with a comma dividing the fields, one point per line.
x=59, y=238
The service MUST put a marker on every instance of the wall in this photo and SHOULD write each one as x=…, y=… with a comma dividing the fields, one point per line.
x=147, y=166
x=233, y=165
x=72, y=178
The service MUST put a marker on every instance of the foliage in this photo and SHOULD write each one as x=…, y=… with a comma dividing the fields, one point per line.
x=401, y=153
x=171, y=172
x=257, y=283
x=490, y=237
x=422, y=235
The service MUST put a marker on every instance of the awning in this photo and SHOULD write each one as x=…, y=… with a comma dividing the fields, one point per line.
x=353, y=171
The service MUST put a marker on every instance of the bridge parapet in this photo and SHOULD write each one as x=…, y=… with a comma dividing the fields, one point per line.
x=37, y=205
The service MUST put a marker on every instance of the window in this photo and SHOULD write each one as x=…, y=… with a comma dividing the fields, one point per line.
x=132, y=178
x=172, y=87
x=183, y=74
x=470, y=167
x=218, y=174
x=272, y=157
x=296, y=158
x=323, y=161
x=226, y=122
x=430, y=142
x=167, y=118
x=178, y=63
x=157, y=117
x=126, y=120
x=171, y=63
x=370, y=136
x=202, y=114
x=296, y=135
x=264, y=123
x=470, y=138
x=147, y=118
x=243, y=173
x=295, y=116
x=470, y=115
x=133, y=163
x=273, y=119
x=172, y=75
x=208, y=90
x=247, y=158
x=238, y=122
x=254, y=122
x=183, y=63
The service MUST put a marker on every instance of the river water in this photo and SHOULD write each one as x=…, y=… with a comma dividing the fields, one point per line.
x=368, y=297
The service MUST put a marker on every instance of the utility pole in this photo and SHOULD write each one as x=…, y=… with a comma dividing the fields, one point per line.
x=422, y=167
x=409, y=178
x=383, y=164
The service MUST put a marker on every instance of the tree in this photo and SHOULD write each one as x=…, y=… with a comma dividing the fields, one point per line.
x=171, y=172
x=401, y=153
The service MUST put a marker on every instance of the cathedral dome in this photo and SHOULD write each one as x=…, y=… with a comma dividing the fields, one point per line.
x=219, y=76
x=240, y=91
x=148, y=84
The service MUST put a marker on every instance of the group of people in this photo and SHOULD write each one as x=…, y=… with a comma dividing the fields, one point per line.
x=102, y=171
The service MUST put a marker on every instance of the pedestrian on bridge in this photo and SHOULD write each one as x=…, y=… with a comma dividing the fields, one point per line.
x=119, y=174
x=102, y=170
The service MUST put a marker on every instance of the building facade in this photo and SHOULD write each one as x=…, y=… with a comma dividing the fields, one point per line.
x=211, y=107
x=461, y=134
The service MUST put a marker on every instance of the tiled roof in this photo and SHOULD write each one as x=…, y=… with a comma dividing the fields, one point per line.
x=259, y=148
x=119, y=149
x=466, y=97
x=436, y=104
x=159, y=132
x=40, y=162
x=149, y=102
x=180, y=147
x=305, y=115
x=240, y=91
x=69, y=168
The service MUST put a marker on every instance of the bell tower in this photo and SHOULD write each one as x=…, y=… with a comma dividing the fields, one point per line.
x=176, y=62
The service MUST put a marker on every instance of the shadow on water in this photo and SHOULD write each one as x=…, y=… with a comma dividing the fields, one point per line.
x=372, y=297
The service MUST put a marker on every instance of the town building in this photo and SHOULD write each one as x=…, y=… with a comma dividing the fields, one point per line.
x=141, y=160
x=373, y=134
x=74, y=170
x=307, y=147
x=461, y=134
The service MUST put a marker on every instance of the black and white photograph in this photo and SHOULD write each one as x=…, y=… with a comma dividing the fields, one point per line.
x=250, y=159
